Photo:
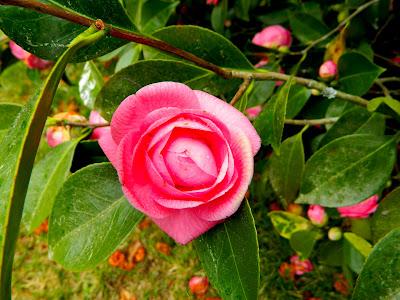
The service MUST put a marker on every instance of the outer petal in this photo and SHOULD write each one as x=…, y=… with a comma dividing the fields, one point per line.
x=184, y=225
x=228, y=203
x=109, y=148
x=18, y=51
x=360, y=210
x=131, y=112
x=231, y=117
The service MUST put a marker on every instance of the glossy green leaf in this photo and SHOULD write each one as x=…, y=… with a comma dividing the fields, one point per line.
x=306, y=27
x=17, y=154
x=298, y=97
x=90, y=84
x=218, y=16
x=287, y=223
x=47, y=178
x=379, y=278
x=356, y=120
x=136, y=76
x=31, y=30
x=356, y=250
x=149, y=15
x=357, y=73
x=385, y=105
x=286, y=169
x=348, y=170
x=303, y=242
x=261, y=92
x=269, y=124
x=8, y=114
x=387, y=217
x=201, y=42
x=229, y=255
x=129, y=56
x=90, y=219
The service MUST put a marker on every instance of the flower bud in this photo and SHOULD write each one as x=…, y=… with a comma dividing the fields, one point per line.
x=328, y=70
x=198, y=285
x=296, y=209
x=317, y=215
x=335, y=234
x=274, y=36
x=253, y=112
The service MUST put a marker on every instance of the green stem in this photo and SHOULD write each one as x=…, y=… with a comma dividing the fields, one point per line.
x=311, y=121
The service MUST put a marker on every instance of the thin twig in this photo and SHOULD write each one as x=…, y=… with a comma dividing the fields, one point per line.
x=384, y=89
x=388, y=79
x=387, y=60
x=311, y=121
x=242, y=89
x=76, y=124
x=340, y=26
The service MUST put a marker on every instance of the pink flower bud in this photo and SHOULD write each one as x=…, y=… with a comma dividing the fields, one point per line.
x=274, y=36
x=253, y=112
x=301, y=266
x=32, y=61
x=212, y=2
x=198, y=285
x=96, y=118
x=317, y=215
x=328, y=70
x=360, y=210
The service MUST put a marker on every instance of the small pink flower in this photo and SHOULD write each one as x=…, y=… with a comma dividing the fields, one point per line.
x=328, y=70
x=360, y=210
x=301, y=266
x=317, y=215
x=96, y=118
x=274, y=36
x=212, y=2
x=198, y=285
x=32, y=61
x=184, y=157
x=253, y=112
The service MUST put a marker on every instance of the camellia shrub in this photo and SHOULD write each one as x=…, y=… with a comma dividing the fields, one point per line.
x=191, y=114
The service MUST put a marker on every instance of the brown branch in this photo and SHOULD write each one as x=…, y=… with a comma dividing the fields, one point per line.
x=242, y=89
x=311, y=122
x=114, y=31
x=76, y=124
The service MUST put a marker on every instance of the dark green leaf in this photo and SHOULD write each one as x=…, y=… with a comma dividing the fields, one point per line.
x=303, y=242
x=8, y=114
x=90, y=218
x=17, y=154
x=356, y=250
x=261, y=92
x=357, y=73
x=379, y=278
x=387, y=217
x=386, y=105
x=90, y=84
x=306, y=27
x=348, y=170
x=331, y=253
x=229, y=254
x=48, y=37
x=287, y=168
x=356, y=120
x=218, y=16
x=201, y=42
x=129, y=56
x=47, y=178
x=298, y=97
x=136, y=76
x=269, y=124
x=287, y=223
x=242, y=8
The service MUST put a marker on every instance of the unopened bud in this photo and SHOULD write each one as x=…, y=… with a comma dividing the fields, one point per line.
x=335, y=234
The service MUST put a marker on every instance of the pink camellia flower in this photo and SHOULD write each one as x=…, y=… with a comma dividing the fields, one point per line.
x=360, y=210
x=198, y=285
x=253, y=112
x=184, y=157
x=56, y=135
x=301, y=266
x=32, y=61
x=328, y=70
x=317, y=215
x=274, y=36
x=96, y=118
